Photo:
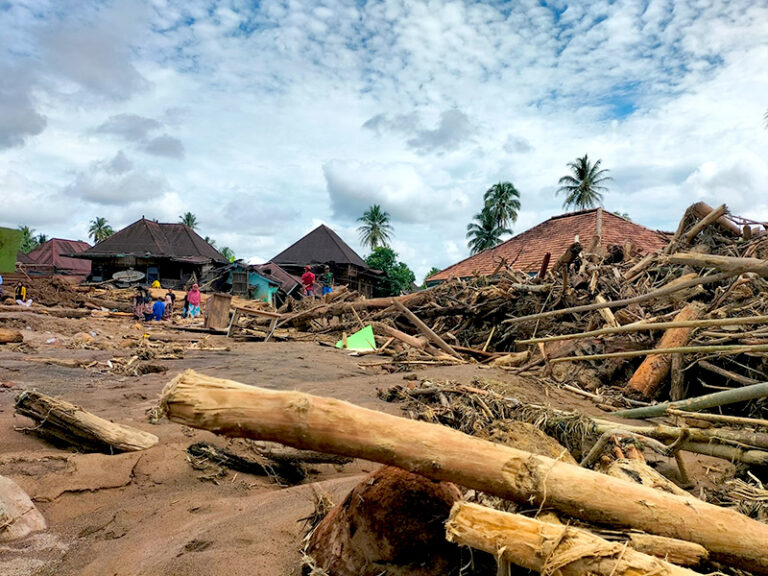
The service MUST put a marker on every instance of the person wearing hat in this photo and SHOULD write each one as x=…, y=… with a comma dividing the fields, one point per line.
x=326, y=279
x=308, y=281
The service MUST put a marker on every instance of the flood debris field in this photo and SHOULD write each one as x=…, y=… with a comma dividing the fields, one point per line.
x=607, y=416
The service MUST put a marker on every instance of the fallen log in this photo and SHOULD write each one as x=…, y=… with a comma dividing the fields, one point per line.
x=730, y=264
x=549, y=548
x=437, y=452
x=62, y=421
x=10, y=336
x=651, y=374
x=719, y=349
x=426, y=330
x=699, y=403
x=670, y=549
x=720, y=418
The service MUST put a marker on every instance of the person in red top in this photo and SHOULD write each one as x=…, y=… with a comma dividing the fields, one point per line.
x=308, y=280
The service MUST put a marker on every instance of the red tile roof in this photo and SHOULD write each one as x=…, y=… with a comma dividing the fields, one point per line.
x=54, y=255
x=526, y=250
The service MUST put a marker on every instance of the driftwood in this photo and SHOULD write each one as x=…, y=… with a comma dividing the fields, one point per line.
x=286, y=472
x=309, y=422
x=651, y=374
x=729, y=348
x=62, y=421
x=10, y=336
x=675, y=551
x=426, y=330
x=720, y=418
x=549, y=548
x=699, y=403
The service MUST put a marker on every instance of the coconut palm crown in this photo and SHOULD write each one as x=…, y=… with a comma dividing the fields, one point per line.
x=583, y=187
x=375, y=229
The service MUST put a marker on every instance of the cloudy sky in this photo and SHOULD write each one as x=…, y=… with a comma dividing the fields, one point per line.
x=267, y=118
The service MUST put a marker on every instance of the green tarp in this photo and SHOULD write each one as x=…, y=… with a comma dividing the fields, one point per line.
x=10, y=240
x=360, y=340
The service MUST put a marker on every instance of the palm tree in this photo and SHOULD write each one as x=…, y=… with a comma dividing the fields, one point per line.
x=41, y=239
x=100, y=230
x=583, y=187
x=485, y=232
x=189, y=219
x=503, y=200
x=227, y=252
x=28, y=241
x=375, y=229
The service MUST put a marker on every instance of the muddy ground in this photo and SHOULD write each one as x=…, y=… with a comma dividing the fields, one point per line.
x=151, y=512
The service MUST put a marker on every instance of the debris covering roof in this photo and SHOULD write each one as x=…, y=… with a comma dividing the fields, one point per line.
x=145, y=238
x=272, y=271
x=318, y=247
x=526, y=251
x=55, y=253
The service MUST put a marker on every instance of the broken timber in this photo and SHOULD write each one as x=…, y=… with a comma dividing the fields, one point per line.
x=328, y=425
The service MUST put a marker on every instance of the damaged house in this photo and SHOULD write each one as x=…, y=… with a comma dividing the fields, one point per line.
x=174, y=254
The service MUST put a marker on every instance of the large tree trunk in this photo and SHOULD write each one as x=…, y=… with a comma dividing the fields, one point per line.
x=65, y=422
x=440, y=453
x=649, y=377
x=10, y=336
x=549, y=548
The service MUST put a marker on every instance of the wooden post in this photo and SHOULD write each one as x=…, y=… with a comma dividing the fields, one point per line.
x=440, y=453
x=651, y=374
x=549, y=548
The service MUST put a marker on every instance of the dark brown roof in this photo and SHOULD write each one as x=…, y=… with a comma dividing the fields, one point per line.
x=320, y=246
x=23, y=258
x=272, y=271
x=145, y=238
x=53, y=254
x=526, y=251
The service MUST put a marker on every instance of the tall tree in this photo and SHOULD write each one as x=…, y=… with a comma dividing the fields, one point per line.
x=503, y=200
x=375, y=230
x=41, y=239
x=227, y=252
x=100, y=230
x=583, y=187
x=485, y=231
x=398, y=278
x=28, y=241
x=189, y=219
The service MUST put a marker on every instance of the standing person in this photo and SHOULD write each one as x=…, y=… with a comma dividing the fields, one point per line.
x=1, y=286
x=170, y=300
x=327, y=280
x=21, y=295
x=308, y=281
x=194, y=298
x=138, y=304
x=185, y=309
x=158, y=309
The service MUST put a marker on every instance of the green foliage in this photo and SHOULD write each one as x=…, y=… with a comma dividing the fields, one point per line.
x=398, y=277
x=211, y=241
x=100, y=230
x=28, y=240
x=227, y=252
x=624, y=215
x=375, y=229
x=503, y=201
x=41, y=239
x=431, y=272
x=583, y=187
x=189, y=219
x=484, y=232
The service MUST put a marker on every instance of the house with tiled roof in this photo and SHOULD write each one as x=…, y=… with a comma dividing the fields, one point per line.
x=527, y=251
x=322, y=246
x=54, y=257
x=168, y=252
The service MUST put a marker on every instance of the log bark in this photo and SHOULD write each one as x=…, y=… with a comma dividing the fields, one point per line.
x=328, y=425
x=62, y=421
x=426, y=330
x=647, y=380
x=10, y=336
x=670, y=549
x=733, y=265
x=549, y=548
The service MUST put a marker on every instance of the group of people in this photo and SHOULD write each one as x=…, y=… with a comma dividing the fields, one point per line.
x=161, y=308
x=19, y=294
x=308, y=280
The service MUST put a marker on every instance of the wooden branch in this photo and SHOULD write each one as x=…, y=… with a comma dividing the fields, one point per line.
x=720, y=418
x=426, y=330
x=10, y=336
x=645, y=325
x=437, y=452
x=652, y=373
x=69, y=423
x=731, y=264
x=729, y=348
x=704, y=222
x=700, y=402
x=549, y=548
x=727, y=373
x=670, y=549
x=638, y=268
x=606, y=313
x=663, y=291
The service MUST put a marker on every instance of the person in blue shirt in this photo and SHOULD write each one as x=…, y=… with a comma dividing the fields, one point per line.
x=158, y=309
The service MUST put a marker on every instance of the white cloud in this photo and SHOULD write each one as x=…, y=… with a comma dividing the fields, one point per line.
x=129, y=126
x=165, y=145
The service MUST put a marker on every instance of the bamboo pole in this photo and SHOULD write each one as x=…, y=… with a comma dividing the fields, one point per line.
x=663, y=291
x=549, y=548
x=643, y=325
x=440, y=453
x=731, y=264
x=730, y=348
x=426, y=330
x=719, y=418
x=699, y=403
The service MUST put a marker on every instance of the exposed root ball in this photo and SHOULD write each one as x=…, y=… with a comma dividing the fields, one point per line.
x=392, y=523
